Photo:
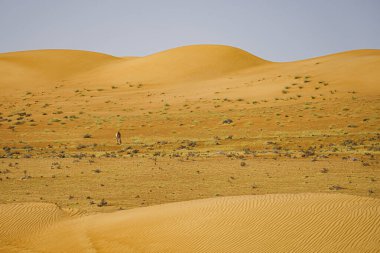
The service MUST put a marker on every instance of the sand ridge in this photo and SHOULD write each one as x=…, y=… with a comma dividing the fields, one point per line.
x=21, y=221
x=189, y=63
x=264, y=223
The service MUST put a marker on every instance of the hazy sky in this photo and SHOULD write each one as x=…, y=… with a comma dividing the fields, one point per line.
x=278, y=30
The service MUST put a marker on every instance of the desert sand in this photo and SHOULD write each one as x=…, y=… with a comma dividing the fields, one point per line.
x=264, y=223
x=222, y=152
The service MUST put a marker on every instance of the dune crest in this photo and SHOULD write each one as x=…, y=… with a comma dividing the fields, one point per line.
x=275, y=223
x=182, y=64
x=188, y=64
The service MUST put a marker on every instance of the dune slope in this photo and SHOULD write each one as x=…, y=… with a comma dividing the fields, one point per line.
x=189, y=63
x=36, y=67
x=266, y=223
x=19, y=222
x=180, y=64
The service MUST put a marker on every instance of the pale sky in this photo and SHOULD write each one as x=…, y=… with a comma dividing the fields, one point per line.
x=277, y=30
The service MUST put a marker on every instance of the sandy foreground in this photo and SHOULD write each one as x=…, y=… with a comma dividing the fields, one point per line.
x=222, y=152
x=265, y=223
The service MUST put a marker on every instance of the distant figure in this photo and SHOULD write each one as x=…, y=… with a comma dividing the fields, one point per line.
x=118, y=137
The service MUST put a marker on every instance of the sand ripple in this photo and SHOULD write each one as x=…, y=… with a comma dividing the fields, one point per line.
x=268, y=223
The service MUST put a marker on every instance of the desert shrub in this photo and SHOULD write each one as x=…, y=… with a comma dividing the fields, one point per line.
x=227, y=121
x=103, y=202
x=87, y=136
x=336, y=187
x=81, y=146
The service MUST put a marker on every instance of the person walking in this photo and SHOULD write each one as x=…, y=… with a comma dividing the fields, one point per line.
x=118, y=138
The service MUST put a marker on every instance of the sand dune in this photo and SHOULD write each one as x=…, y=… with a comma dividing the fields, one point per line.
x=34, y=68
x=267, y=223
x=189, y=63
x=183, y=63
x=355, y=69
x=195, y=64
